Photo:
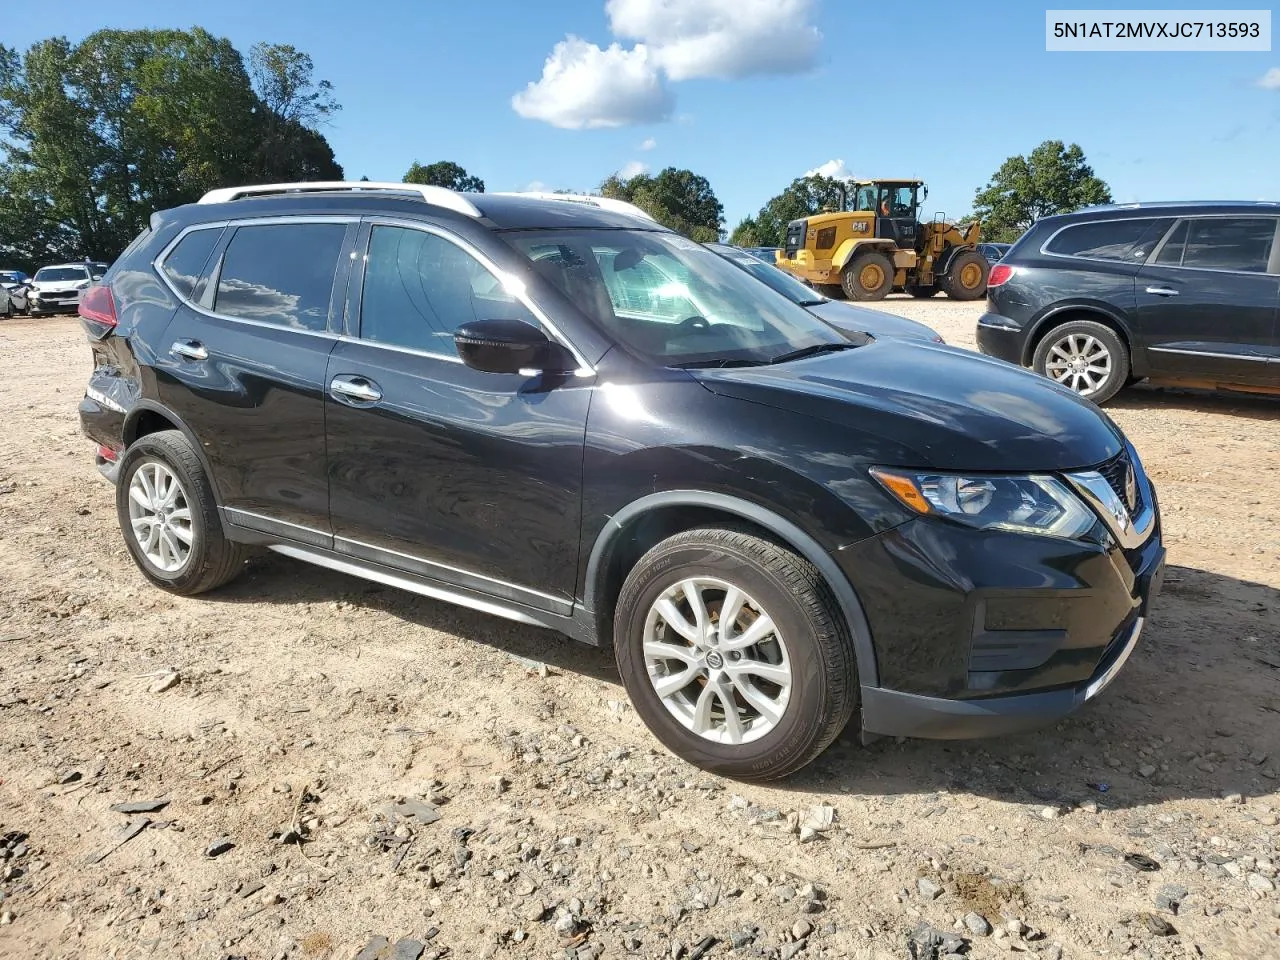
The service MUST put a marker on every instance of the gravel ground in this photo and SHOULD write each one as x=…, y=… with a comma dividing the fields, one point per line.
x=322, y=764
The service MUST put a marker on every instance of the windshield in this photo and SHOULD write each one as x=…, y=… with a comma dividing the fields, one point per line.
x=776, y=278
x=11, y=276
x=671, y=299
x=61, y=274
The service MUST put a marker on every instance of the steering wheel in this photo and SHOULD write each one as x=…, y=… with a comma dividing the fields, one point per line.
x=694, y=324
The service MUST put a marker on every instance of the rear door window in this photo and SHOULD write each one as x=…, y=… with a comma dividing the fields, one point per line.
x=185, y=265
x=1118, y=240
x=281, y=274
x=1230, y=243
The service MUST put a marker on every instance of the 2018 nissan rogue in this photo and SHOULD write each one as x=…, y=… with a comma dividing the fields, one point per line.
x=562, y=413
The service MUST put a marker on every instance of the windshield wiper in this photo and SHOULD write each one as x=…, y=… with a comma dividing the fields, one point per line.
x=811, y=303
x=717, y=362
x=813, y=351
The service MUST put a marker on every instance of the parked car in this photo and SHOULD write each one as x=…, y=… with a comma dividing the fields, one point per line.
x=1177, y=292
x=993, y=251
x=842, y=314
x=504, y=403
x=57, y=289
x=767, y=254
x=13, y=292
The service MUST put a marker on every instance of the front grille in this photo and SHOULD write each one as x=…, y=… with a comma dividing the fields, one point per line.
x=1117, y=471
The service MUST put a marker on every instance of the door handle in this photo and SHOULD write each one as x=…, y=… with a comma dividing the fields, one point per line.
x=358, y=389
x=1162, y=291
x=189, y=350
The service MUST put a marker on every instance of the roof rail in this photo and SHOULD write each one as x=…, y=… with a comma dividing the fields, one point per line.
x=604, y=203
x=436, y=196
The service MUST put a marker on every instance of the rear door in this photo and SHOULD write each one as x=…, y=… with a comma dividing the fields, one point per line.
x=1207, y=301
x=243, y=362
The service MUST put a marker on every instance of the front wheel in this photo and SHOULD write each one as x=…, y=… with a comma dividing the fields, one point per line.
x=734, y=653
x=868, y=276
x=1087, y=357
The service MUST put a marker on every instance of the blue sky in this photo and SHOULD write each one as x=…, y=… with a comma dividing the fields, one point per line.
x=937, y=90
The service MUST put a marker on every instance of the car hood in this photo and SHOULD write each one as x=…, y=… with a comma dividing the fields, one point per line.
x=55, y=286
x=875, y=322
x=954, y=409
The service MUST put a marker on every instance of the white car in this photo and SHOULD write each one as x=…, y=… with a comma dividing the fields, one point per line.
x=57, y=289
x=13, y=292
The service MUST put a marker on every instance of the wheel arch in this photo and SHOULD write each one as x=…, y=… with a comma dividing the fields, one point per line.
x=851, y=247
x=1066, y=313
x=659, y=515
x=147, y=416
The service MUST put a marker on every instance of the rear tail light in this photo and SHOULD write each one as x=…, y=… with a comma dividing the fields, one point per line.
x=98, y=311
x=107, y=454
x=1000, y=273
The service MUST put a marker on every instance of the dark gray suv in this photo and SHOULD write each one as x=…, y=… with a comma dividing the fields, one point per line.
x=1186, y=293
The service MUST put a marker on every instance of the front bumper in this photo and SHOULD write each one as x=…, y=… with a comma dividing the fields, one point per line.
x=54, y=304
x=998, y=337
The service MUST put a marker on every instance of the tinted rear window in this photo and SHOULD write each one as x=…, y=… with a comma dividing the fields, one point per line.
x=185, y=264
x=281, y=274
x=1102, y=240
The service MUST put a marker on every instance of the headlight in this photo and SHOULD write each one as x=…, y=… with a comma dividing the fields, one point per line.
x=1029, y=503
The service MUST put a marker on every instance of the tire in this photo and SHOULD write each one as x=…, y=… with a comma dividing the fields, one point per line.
x=1085, y=340
x=921, y=293
x=810, y=641
x=832, y=291
x=868, y=276
x=211, y=559
x=966, y=277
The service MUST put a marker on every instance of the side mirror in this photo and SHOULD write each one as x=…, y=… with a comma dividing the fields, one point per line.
x=509, y=346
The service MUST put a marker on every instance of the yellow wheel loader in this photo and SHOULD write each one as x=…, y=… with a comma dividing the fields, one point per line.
x=876, y=243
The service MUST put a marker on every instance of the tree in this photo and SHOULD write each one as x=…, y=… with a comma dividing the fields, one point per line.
x=1053, y=179
x=444, y=173
x=291, y=148
x=804, y=197
x=747, y=234
x=679, y=199
x=98, y=135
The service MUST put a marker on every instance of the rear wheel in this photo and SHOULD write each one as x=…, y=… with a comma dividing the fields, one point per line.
x=868, y=276
x=1084, y=356
x=169, y=518
x=966, y=277
x=734, y=653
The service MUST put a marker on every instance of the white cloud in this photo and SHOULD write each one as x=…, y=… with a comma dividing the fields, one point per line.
x=720, y=38
x=633, y=168
x=583, y=86
x=832, y=168
x=535, y=186
x=649, y=144
x=1270, y=80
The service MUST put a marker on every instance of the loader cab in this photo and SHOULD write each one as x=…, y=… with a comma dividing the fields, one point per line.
x=896, y=206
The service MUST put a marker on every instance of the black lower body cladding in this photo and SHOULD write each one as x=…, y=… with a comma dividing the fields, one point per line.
x=960, y=615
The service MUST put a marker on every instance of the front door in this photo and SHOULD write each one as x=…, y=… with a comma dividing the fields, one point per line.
x=1207, y=301
x=470, y=478
x=244, y=362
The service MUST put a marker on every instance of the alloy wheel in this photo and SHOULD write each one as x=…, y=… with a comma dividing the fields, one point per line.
x=1079, y=361
x=717, y=661
x=160, y=516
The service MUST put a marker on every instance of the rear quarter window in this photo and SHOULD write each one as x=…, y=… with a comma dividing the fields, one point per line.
x=1128, y=240
x=185, y=264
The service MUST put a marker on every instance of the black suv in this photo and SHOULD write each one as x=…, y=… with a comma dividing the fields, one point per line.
x=562, y=413
x=1176, y=292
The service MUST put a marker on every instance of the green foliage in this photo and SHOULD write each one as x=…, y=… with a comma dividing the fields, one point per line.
x=97, y=135
x=1053, y=179
x=747, y=234
x=679, y=199
x=444, y=173
x=804, y=197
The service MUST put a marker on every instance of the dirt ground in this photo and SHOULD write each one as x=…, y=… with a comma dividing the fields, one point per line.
x=300, y=703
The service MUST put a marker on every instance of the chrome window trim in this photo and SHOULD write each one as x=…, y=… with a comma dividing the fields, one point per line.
x=412, y=351
x=158, y=261
x=585, y=369
x=1046, y=252
x=444, y=566
x=1210, y=353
